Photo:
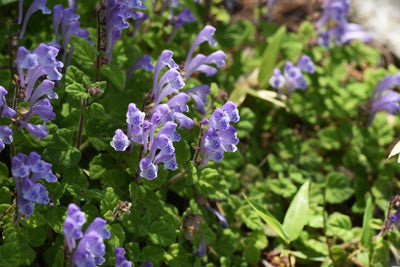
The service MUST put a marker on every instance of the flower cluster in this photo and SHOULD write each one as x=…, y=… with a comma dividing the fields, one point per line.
x=91, y=248
x=42, y=61
x=342, y=32
x=27, y=170
x=293, y=77
x=5, y=111
x=143, y=131
x=69, y=26
x=383, y=98
x=220, y=135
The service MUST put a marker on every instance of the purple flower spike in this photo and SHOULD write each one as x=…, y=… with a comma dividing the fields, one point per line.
x=72, y=228
x=120, y=260
x=120, y=141
x=27, y=170
x=35, y=6
x=91, y=248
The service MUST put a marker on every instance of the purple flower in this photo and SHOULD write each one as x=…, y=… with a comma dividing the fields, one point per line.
x=72, y=228
x=120, y=260
x=5, y=136
x=27, y=170
x=185, y=16
x=5, y=111
x=35, y=6
x=91, y=248
x=220, y=135
x=222, y=220
x=342, y=32
x=120, y=141
x=116, y=13
x=143, y=62
x=199, y=94
x=202, y=249
x=383, y=98
x=305, y=64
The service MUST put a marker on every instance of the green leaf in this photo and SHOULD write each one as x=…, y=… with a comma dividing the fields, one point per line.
x=84, y=52
x=338, y=188
x=16, y=253
x=296, y=215
x=76, y=76
x=55, y=218
x=246, y=123
x=76, y=90
x=177, y=256
x=153, y=253
x=60, y=152
x=36, y=236
x=380, y=253
x=270, y=219
x=270, y=56
x=108, y=202
x=252, y=255
x=339, y=225
x=367, y=232
x=211, y=185
x=117, y=238
x=161, y=233
x=99, y=165
x=114, y=75
x=5, y=196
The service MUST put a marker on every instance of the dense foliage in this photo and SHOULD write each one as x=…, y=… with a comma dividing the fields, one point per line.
x=177, y=133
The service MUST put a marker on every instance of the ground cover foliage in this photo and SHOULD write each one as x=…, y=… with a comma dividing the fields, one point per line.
x=307, y=183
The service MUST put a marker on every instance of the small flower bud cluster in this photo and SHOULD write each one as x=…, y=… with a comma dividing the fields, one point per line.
x=383, y=98
x=220, y=135
x=27, y=170
x=293, y=77
x=91, y=248
x=342, y=32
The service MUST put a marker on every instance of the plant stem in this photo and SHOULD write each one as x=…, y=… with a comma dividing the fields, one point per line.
x=80, y=125
x=175, y=178
x=7, y=211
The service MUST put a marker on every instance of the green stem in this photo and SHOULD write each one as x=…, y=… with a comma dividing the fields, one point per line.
x=175, y=178
x=80, y=125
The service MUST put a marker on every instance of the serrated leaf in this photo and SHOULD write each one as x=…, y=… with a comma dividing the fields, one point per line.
x=246, y=123
x=270, y=219
x=338, y=188
x=296, y=215
x=211, y=185
x=109, y=201
x=380, y=253
x=77, y=90
x=161, y=233
x=84, y=52
x=117, y=238
x=270, y=56
x=99, y=165
x=114, y=75
x=75, y=75
x=339, y=225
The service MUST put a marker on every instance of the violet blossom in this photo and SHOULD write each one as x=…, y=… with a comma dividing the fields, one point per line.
x=293, y=77
x=27, y=170
x=383, y=98
x=342, y=32
x=35, y=6
x=120, y=260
